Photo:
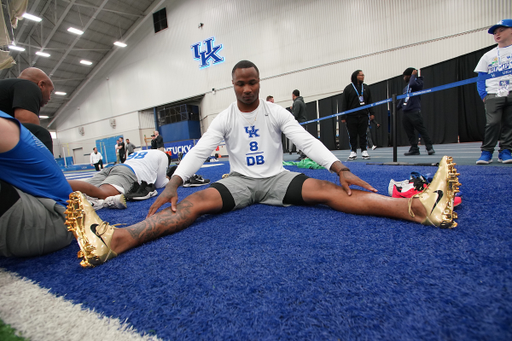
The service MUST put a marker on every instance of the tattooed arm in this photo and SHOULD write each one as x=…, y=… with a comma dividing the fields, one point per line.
x=170, y=194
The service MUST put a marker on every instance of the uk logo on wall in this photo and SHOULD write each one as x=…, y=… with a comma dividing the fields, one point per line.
x=208, y=54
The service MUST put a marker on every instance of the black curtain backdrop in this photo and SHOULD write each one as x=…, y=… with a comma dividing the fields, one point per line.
x=450, y=115
x=311, y=115
x=343, y=142
x=471, y=107
x=381, y=136
x=327, y=126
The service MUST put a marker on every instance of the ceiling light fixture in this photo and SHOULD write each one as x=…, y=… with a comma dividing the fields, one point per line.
x=85, y=62
x=43, y=54
x=120, y=44
x=75, y=31
x=16, y=48
x=60, y=93
x=44, y=117
x=31, y=17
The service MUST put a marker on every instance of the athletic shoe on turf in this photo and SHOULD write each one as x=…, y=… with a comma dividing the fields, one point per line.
x=92, y=234
x=393, y=184
x=431, y=151
x=144, y=192
x=365, y=155
x=485, y=158
x=439, y=196
x=412, y=152
x=96, y=203
x=115, y=201
x=196, y=181
x=504, y=156
x=374, y=147
x=352, y=156
x=135, y=190
x=407, y=191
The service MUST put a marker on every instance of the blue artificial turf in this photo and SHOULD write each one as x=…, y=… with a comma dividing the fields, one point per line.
x=311, y=273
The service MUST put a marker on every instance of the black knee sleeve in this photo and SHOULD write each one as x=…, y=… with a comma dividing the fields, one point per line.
x=228, y=202
x=293, y=194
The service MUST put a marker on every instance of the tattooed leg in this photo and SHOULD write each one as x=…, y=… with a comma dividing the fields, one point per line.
x=167, y=222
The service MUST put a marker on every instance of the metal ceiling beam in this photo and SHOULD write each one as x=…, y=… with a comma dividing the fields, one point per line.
x=104, y=61
x=52, y=33
x=98, y=10
x=109, y=10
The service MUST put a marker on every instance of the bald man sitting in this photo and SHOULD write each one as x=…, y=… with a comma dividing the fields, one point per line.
x=24, y=96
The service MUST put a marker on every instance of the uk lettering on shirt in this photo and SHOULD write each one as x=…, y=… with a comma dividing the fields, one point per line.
x=501, y=64
x=255, y=156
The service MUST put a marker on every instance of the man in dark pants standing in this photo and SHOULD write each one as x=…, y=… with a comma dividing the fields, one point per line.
x=357, y=94
x=496, y=95
x=411, y=108
x=299, y=112
x=121, y=149
x=159, y=140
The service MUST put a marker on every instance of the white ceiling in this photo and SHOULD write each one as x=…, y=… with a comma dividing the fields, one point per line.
x=103, y=21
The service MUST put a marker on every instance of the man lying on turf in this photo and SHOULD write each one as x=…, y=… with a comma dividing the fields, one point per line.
x=110, y=185
x=252, y=132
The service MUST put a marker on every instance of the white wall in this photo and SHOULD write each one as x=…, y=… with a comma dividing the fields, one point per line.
x=313, y=46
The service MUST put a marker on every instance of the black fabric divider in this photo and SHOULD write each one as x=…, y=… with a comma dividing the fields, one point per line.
x=471, y=108
x=343, y=142
x=327, y=127
x=451, y=115
x=311, y=115
x=381, y=136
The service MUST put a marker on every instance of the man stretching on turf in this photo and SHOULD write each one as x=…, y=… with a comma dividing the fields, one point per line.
x=252, y=131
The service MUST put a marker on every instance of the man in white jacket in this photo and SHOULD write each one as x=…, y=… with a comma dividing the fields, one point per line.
x=252, y=132
x=96, y=159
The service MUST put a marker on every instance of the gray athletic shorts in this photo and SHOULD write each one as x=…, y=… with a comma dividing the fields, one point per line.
x=32, y=226
x=120, y=176
x=238, y=191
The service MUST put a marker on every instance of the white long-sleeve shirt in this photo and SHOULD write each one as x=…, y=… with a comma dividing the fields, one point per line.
x=95, y=157
x=253, y=142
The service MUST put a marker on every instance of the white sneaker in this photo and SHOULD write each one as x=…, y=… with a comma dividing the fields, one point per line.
x=374, y=147
x=365, y=155
x=352, y=156
x=115, y=201
x=96, y=203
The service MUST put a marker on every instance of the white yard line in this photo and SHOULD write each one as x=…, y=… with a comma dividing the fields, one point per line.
x=38, y=315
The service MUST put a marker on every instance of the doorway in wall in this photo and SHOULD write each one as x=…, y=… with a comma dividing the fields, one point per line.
x=78, y=156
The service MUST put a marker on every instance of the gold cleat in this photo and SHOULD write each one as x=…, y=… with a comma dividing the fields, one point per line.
x=92, y=234
x=438, y=197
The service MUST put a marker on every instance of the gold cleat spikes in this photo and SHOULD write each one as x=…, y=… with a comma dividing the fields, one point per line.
x=438, y=197
x=92, y=234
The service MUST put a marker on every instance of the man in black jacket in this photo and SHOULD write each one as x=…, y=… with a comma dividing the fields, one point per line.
x=411, y=108
x=299, y=112
x=355, y=95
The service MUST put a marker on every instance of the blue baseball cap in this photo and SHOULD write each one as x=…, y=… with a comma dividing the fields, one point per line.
x=502, y=23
